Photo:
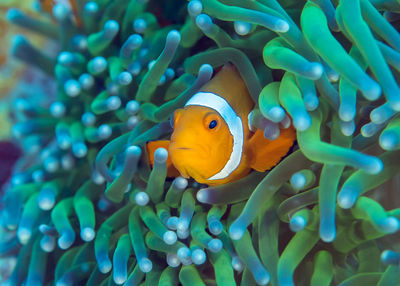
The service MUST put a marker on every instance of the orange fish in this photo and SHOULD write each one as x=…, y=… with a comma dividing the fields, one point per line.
x=212, y=142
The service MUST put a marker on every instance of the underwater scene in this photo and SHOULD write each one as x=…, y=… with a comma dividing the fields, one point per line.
x=201, y=142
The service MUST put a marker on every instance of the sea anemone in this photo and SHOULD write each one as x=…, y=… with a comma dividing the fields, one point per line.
x=84, y=206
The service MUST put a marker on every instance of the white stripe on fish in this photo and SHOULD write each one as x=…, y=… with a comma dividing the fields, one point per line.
x=235, y=125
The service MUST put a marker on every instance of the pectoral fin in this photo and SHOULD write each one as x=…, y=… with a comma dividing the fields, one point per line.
x=266, y=153
x=153, y=146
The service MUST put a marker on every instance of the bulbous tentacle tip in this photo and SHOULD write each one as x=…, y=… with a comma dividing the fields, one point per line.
x=104, y=131
x=346, y=113
x=390, y=257
x=281, y=26
x=18, y=42
x=160, y=155
x=173, y=37
x=91, y=7
x=182, y=225
x=302, y=123
x=111, y=25
x=277, y=113
x=88, y=234
x=66, y=240
x=395, y=104
x=311, y=101
x=24, y=235
x=297, y=223
x=198, y=256
x=242, y=28
x=237, y=264
x=79, y=149
x=57, y=109
x=202, y=196
x=170, y=237
x=184, y=255
x=172, y=222
x=373, y=91
x=105, y=267
x=389, y=140
x=72, y=88
x=61, y=11
x=119, y=279
x=134, y=151
x=65, y=58
x=173, y=260
x=316, y=70
x=271, y=131
x=86, y=80
x=61, y=282
x=206, y=68
x=46, y=199
x=132, y=107
x=125, y=78
x=114, y=102
x=298, y=180
x=13, y=14
x=181, y=183
x=142, y=198
x=263, y=278
x=204, y=22
x=97, y=65
x=215, y=245
x=145, y=265
x=48, y=244
x=195, y=7
x=389, y=225
x=346, y=199
x=215, y=227
x=236, y=232
x=375, y=166
x=327, y=235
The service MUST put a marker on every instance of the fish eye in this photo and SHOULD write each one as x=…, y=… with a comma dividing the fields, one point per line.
x=212, y=124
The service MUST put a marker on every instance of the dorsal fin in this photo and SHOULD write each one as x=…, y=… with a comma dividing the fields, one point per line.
x=228, y=84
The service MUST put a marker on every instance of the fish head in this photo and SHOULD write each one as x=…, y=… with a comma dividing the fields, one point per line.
x=200, y=144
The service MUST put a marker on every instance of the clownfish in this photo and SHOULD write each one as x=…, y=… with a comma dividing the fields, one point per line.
x=212, y=142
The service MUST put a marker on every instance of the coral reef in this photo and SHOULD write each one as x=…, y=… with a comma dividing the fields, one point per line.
x=83, y=205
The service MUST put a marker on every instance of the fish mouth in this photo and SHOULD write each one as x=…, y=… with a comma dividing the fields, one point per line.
x=176, y=146
x=183, y=148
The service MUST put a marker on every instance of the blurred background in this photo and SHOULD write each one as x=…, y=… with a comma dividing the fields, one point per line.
x=14, y=76
x=17, y=80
